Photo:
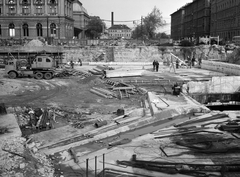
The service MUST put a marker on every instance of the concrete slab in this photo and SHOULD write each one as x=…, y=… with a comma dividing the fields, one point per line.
x=123, y=73
x=10, y=121
x=59, y=134
x=173, y=105
x=144, y=147
x=223, y=84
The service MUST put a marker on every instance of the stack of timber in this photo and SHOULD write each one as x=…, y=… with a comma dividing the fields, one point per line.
x=103, y=92
x=124, y=73
x=118, y=90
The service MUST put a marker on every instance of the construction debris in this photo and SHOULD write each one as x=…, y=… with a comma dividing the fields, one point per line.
x=15, y=155
x=193, y=169
x=100, y=123
x=2, y=109
x=4, y=130
x=73, y=154
x=119, y=142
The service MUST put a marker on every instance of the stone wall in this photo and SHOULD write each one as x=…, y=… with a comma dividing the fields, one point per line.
x=137, y=54
x=117, y=54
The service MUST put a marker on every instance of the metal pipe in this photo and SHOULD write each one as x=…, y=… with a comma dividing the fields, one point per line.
x=103, y=164
x=95, y=166
x=87, y=167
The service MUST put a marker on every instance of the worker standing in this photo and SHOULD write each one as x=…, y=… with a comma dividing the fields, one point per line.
x=177, y=64
x=80, y=61
x=154, y=65
x=71, y=64
x=189, y=62
x=157, y=66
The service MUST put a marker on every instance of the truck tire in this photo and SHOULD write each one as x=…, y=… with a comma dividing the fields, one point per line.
x=12, y=75
x=38, y=75
x=48, y=76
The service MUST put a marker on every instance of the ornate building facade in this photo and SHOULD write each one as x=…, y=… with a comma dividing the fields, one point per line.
x=81, y=19
x=28, y=19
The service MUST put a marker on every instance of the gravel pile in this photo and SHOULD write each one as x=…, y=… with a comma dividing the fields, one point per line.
x=17, y=158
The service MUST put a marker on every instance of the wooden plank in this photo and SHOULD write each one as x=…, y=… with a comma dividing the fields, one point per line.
x=123, y=88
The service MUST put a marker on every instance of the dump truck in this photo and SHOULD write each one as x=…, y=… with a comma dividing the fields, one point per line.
x=39, y=67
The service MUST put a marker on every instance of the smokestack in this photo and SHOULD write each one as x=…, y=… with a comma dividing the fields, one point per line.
x=112, y=19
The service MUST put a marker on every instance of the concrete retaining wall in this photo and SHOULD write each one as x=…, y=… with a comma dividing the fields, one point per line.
x=229, y=69
x=116, y=54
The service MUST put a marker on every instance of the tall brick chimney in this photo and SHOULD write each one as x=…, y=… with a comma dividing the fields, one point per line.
x=112, y=18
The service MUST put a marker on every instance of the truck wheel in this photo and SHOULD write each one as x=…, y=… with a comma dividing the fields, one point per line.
x=12, y=75
x=38, y=75
x=48, y=76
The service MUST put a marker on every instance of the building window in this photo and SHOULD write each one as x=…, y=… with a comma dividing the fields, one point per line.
x=39, y=29
x=25, y=30
x=39, y=10
x=52, y=2
x=25, y=10
x=53, y=10
x=25, y=2
x=53, y=30
x=39, y=2
x=11, y=2
x=11, y=30
x=11, y=9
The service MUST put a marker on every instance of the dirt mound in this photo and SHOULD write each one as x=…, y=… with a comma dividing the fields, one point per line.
x=34, y=43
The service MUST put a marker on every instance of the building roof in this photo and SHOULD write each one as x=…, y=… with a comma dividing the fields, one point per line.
x=77, y=6
x=119, y=27
x=181, y=9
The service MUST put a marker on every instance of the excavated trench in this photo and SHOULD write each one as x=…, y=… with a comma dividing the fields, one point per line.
x=219, y=101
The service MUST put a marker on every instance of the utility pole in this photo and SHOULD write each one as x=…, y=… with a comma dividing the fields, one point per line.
x=47, y=31
x=59, y=29
x=141, y=28
x=20, y=31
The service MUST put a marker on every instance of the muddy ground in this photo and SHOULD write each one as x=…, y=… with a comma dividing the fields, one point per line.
x=68, y=94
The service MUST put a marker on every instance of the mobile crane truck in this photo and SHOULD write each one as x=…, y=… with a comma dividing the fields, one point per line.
x=39, y=67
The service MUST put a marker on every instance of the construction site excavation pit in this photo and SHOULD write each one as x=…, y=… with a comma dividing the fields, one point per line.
x=103, y=119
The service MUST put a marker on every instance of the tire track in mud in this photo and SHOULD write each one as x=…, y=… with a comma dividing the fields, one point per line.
x=47, y=90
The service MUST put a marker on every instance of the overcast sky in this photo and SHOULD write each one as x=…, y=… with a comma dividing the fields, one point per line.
x=129, y=10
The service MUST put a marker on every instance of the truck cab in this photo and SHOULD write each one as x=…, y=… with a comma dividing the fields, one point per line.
x=42, y=66
x=42, y=62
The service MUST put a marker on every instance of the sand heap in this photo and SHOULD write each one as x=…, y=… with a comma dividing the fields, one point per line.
x=34, y=43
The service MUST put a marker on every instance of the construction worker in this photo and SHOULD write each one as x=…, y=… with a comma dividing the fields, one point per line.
x=177, y=64
x=71, y=64
x=189, y=62
x=154, y=65
x=80, y=62
x=157, y=66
